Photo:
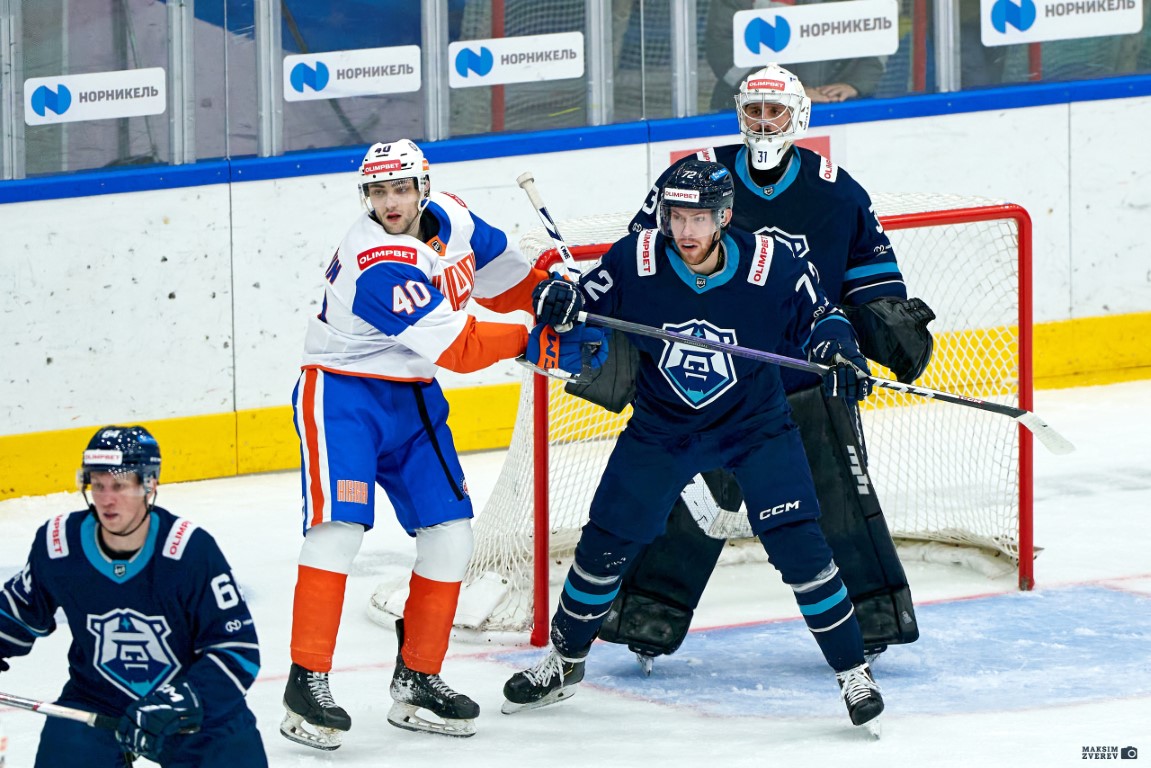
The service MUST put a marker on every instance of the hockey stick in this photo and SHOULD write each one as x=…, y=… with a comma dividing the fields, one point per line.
x=91, y=719
x=527, y=182
x=1051, y=439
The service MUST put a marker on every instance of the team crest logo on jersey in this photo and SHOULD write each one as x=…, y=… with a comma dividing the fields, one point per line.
x=698, y=376
x=132, y=651
x=797, y=244
x=457, y=280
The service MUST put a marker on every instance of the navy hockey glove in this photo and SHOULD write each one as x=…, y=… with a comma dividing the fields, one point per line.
x=171, y=708
x=847, y=378
x=566, y=352
x=3, y=665
x=557, y=302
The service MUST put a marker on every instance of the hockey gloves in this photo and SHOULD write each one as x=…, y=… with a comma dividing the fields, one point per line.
x=556, y=302
x=567, y=352
x=4, y=665
x=848, y=375
x=171, y=708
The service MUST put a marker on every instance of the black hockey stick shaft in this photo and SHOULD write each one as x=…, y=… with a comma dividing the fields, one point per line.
x=1051, y=439
x=91, y=719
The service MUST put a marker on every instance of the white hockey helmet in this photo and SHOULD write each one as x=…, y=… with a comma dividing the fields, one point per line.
x=392, y=161
x=767, y=130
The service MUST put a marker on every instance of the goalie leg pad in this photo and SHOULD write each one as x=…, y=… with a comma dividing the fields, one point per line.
x=852, y=520
x=660, y=592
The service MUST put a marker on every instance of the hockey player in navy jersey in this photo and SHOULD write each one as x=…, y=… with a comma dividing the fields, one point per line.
x=695, y=410
x=812, y=207
x=161, y=635
x=369, y=410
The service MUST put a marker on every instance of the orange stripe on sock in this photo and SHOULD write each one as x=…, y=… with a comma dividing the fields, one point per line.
x=316, y=617
x=428, y=616
x=312, y=438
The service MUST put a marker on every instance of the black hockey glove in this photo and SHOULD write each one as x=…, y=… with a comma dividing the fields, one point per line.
x=557, y=302
x=4, y=665
x=893, y=332
x=847, y=377
x=172, y=708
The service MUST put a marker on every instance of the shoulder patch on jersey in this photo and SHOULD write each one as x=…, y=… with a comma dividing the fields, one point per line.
x=761, y=260
x=707, y=154
x=827, y=169
x=178, y=537
x=401, y=253
x=645, y=253
x=55, y=537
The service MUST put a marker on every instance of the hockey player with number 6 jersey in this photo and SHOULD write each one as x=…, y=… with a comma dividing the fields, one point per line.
x=699, y=409
x=161, y=635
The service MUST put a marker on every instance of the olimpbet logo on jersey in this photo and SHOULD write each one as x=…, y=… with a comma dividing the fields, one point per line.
x=789, y=34
x=515, y=60
x=1008, y=22
x=98, y=96
x=362, y=72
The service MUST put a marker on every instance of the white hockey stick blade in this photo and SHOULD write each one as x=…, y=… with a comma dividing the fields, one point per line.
x=1052, y=440
x=551, y=373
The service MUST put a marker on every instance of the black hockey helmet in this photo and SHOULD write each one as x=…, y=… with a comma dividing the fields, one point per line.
x=696, y=184
x=121, y=449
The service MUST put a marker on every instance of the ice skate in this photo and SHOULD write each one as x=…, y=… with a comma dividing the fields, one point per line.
x=553, y=679
x=312, y=717
x=861, y=695
x=413, y=691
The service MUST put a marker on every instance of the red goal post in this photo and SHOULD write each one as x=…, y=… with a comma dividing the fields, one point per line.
x=949, y=478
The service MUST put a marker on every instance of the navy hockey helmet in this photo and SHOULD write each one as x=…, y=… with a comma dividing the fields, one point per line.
x=696, y=184
x=121, y=449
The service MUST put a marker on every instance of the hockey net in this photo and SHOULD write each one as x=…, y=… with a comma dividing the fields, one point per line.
x=946, y=475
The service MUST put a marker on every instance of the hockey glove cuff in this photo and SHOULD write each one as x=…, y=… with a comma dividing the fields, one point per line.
x=557, y=302
x=568, y=352
x=4, y=665
x=172, y=708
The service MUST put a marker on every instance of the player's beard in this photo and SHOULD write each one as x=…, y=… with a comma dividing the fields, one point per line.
x=405, y=225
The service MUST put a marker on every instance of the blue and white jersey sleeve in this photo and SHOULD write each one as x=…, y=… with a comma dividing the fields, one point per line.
x=872, y=271
x=480, y=262
x=227, y=653
x=812, y=316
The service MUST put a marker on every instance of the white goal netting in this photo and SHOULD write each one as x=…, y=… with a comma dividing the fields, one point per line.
x=943, y=473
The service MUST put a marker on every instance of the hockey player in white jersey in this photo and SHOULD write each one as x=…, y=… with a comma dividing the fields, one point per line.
x=368, y=410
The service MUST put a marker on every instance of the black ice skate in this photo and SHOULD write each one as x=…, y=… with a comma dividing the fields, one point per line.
x=308, y=699
x=553, y=679
x=861, y=695
x=414, y=690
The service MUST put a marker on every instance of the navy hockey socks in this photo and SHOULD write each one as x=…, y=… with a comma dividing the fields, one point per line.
x=592, y=584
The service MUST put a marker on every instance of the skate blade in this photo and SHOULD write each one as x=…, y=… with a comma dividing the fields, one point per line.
x=874, y=728
x=405, y=716
x=510, y=708
x=294, y=728
x=645, y=663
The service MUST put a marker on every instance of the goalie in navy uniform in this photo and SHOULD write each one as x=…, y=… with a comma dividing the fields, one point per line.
x=161, y=636
x=815, y=209
x=698, y=409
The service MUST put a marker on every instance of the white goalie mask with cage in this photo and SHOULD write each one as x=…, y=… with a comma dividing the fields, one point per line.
x=774, y=111
x=393, y=161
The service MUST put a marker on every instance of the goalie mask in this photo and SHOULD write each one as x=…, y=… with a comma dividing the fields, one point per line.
x=773, y=111
x=696, y=184
x=394, y=161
